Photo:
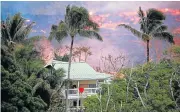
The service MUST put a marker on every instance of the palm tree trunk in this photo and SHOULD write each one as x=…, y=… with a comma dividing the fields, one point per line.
x=69, y=68
x=147, y=50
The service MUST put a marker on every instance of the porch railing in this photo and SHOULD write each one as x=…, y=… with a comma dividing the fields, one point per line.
x=87, y=91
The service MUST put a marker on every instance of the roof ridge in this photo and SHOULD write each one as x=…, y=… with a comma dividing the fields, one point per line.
x=63, y=62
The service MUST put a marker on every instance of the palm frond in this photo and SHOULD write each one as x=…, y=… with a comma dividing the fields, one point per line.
x=14, y=29
x=23, y=32
x=137, y=33
x=14, y=24
x=20, y=23
x=59, y=32
x=152, y=25
x=164, y=35
x=134, y=31
x=53, y=32
x=158, y=29
x=62, y=26
x=90, y=34
x=92, y=25
x=154, y=14
x=141, y=13
x=60, y=35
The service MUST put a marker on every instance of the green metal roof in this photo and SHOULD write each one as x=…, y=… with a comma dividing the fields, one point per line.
x=79, y=71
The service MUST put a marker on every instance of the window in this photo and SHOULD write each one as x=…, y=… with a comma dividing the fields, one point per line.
x=92, y=85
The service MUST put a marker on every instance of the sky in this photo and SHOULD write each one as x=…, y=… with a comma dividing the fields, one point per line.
x=116, y=41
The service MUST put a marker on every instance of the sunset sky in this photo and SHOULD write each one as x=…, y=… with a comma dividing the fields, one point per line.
x=108, y=15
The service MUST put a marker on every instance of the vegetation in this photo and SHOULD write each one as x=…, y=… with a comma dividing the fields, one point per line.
x=28, y=86
x=77, y=22
x=14, y=29
x=147, y=88
x=64, y=58
x=151, y=26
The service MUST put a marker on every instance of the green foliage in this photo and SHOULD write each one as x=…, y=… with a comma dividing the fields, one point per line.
x=173, y=53
x=176, y=49
x=151, y=26
x=16, y=91
x=26, y=85
x=14, y=29
x=157, y=85
x=77, y=21
x=64, y=58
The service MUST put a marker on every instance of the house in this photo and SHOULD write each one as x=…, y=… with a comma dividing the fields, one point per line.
x=83, y=76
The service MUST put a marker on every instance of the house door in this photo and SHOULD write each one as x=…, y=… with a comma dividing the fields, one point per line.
x=74, y=86
x=74, y=103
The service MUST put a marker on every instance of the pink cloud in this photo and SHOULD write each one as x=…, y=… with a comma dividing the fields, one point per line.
x=131, y=16
x=174, y=12
x=178, y=19
x=177, y=41
x=100, y=19
x=99, y=49
x=111, y=25
x=103, y=21
x=176, y=31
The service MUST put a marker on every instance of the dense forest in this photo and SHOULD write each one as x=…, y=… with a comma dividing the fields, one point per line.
x=27, y=86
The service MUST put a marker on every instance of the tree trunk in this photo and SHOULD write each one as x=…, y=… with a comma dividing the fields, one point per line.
x=69, y=68
x=85, y=57
x=80, y=57
x=147, y=50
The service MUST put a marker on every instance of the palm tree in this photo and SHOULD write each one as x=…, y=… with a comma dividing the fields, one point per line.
x=151, y=26
x=15, y=29
x=77, y=22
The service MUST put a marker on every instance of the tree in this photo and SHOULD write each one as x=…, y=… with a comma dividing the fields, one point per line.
x=173, y=53
x=46, y=83
x=77, y=22
x=36, y=81
x=16, y=90
x=112, y=64
x=26, y=84
x=14, y=29
x=79, y=52
x=151, y=26
x=147, y=88
x=64, y=58
x=44, y=46
x=86, y=51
